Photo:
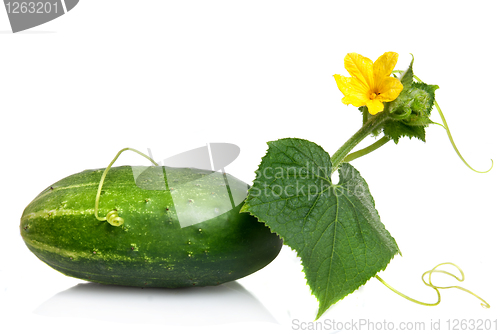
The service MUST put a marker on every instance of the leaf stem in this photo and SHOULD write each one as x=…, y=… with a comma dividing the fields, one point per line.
x=368, y=127
x=382, y=141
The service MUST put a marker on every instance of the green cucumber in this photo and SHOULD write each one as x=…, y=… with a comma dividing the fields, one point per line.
x=182, y=227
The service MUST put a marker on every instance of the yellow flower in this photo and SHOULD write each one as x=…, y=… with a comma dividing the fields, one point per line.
x=370, y=84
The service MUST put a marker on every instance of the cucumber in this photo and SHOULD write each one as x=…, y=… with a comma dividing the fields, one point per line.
x=182, y=227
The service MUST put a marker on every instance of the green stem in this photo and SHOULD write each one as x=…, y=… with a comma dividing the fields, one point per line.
x=382, y=141
x=371, y=125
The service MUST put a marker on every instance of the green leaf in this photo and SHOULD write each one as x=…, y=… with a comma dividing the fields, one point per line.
x=417, y=98
x=397, y=129
x=418, y=121
x=422, y=98
x=335, y=229
x=407, y=77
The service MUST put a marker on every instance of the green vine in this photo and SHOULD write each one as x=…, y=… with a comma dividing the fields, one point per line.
x=335, y=227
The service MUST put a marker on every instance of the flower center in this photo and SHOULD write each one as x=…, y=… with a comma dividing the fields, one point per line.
x=373, y=96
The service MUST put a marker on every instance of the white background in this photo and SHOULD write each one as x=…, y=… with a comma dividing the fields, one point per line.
x=174, y=75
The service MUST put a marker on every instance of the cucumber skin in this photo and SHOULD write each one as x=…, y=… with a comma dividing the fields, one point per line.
x=150, y=249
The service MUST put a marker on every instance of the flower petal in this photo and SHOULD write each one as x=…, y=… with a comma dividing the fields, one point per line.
x=390, y=88
x=374, y=106
x=360, y=68
x=342, y=83
x=355, y=100
x=383, y=66
x=355, y=92
x=350, y=85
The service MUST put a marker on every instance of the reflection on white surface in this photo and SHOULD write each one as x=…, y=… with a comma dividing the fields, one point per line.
x=214, y=305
